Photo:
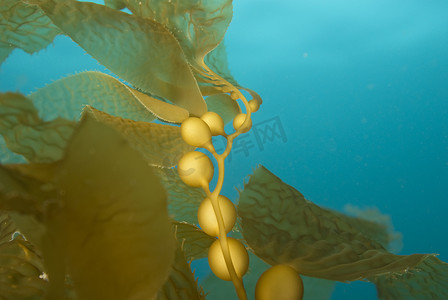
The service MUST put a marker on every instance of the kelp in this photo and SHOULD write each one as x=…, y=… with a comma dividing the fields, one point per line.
x=160, y=145
x=428, y=280
x=192, y=240
x=316, y=289
x=139, y=50
x=101, y=200
x=281, y=226
x=199, y=26
x=183, y=201
x=21, y=266
x=108, y=228
x=25, y=27
x=181, y=284
x=66, y=97
x=27, y=134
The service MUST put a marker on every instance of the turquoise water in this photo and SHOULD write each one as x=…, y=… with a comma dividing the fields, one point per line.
x=355, y=106
x=361, y=91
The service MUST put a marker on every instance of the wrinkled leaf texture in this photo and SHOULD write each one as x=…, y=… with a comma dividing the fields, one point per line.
x=23, y=26
x=139, y=50
x=282, y=227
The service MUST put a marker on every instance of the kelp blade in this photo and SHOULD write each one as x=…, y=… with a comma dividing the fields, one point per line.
x=140, y=51
x=66, y=97
x=199, y=26
x=428, y=280
x=111, y=226
x=281, y=226
x=160, y=145
x=20, y=264
x=27, y=134
x=23, y=26
x=181, y=284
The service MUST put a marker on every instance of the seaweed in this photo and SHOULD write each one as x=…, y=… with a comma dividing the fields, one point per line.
x=99, y=201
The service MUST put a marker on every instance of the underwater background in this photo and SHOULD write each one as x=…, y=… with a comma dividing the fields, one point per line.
x=355, y=107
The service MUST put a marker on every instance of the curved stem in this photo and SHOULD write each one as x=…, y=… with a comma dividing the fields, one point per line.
x=213, y=196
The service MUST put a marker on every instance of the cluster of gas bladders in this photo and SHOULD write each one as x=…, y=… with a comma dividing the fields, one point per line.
x=228, y=257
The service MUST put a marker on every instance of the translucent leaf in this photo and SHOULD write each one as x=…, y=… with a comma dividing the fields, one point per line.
x=140, y=51
x=183, y=201
x=377, y=226
x=223, y=105
x=20, y=265
x=24, y=26
x=160, y=145
x=5, y=50
x=110, y=226
x=281, y=226
x=26, y=134
x=181, y=284
x=217, y=61
x=115, y=4
x=66, y=97
x=199, y=26
x=428, y=280
x=194, y=242
x=7, y=156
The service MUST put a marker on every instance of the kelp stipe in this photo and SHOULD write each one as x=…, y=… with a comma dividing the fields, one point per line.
x=228, y=258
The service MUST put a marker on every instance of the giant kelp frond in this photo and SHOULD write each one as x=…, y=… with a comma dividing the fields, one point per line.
x=23, y=26
x=139, y=50
x=281, y=226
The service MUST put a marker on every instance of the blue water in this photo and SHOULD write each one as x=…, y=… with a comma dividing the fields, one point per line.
x=360, y=90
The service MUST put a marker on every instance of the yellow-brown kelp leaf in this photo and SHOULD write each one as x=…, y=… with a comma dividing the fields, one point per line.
x=140, y=51
x=160, y=145
x=110, y=228
x=282, y=227
x=183, y=200
x=428, y=280
x=199, y=26
x=194, y=242
x=223, y=105
x=23, y=26
x=27, y=134
x=21, y=269
x=66, y=97
x=163, y=111
x=181, y=284
x=25, y=190
x=22, y=193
